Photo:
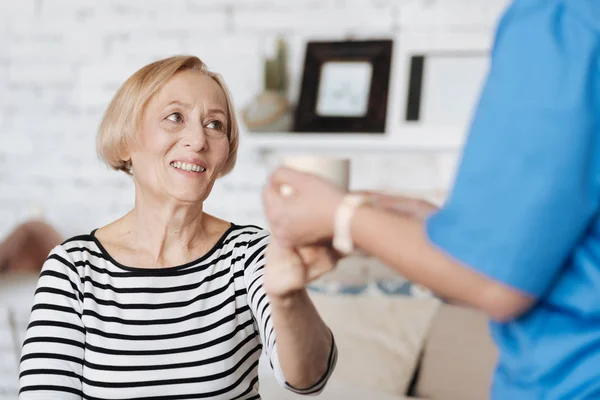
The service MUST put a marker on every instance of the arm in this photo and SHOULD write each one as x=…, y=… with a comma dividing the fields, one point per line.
x=297, y=341
x=378, y=232
x=305, y=344
x=525, y=191
x=399, y=204
x=52, y=355
x=431, y=265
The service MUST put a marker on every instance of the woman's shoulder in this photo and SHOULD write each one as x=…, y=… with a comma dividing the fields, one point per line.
x=75, y=246
x=249, y=228
x=66, y=255
x=80, y=240
x=248, y=237
x=248, y=231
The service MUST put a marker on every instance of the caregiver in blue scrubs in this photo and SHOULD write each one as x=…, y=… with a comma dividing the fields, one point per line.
x=519, y=237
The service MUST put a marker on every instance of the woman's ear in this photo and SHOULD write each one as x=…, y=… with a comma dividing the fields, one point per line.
x=125, y=156
x=124, y=153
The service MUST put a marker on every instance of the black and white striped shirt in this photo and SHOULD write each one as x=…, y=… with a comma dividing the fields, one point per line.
x=102, y=330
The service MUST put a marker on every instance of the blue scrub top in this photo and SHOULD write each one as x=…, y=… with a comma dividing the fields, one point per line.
x=524, y=208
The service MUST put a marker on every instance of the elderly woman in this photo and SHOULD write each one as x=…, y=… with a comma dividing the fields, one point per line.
x=169, y=302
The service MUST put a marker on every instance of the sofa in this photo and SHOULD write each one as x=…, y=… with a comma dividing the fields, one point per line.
x=456, y=362
x=395, y=340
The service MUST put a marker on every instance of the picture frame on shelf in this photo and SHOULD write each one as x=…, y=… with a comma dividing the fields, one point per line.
x=438, y=127
x=435, y=91
x=345, y=86
x=435, y=86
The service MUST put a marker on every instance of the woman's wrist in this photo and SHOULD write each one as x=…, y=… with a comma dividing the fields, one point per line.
x=287, y=300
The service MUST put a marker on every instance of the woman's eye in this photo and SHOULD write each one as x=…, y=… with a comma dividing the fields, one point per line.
x=175, y=117
x=215, y=125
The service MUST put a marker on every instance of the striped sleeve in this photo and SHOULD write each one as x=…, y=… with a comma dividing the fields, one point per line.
x=259, y=304
x=52, y=354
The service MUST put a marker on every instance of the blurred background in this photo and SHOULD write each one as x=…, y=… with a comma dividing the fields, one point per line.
x=61, y=62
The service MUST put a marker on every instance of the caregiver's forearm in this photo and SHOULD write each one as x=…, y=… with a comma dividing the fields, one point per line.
x=402, y=243
x=304, y=342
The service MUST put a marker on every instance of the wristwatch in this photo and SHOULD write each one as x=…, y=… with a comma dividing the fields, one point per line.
x=342, y=237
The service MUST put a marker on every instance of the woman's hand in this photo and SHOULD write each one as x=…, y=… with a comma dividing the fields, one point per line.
x=305, y=215
x=287, y=271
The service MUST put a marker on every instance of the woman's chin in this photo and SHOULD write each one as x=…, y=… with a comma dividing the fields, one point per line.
x=188, y=197
x=189, y=200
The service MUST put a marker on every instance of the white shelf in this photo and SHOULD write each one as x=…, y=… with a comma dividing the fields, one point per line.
x=408, y=140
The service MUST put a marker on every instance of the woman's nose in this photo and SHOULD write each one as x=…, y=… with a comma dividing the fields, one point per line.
x=196, y=137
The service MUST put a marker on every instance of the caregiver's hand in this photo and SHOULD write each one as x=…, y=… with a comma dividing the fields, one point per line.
x=305, y=216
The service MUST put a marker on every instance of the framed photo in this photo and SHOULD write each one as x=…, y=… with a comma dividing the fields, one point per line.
x=428, y=95
x=436, y=83
x=344, y=87
x=438, y=91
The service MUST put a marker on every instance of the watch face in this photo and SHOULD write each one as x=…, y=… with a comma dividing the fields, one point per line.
x=344, y=89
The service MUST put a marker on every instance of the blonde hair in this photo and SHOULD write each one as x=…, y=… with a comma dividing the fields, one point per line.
x=123, y=116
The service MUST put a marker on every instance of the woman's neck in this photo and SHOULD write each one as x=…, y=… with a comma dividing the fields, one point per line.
x=168, y=234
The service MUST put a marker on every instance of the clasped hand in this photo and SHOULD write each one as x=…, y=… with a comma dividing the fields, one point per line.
x=302, y=225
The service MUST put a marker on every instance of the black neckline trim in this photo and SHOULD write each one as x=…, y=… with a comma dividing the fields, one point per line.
x=165, y=270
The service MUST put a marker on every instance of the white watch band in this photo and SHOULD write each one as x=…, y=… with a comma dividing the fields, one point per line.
x=342, y=238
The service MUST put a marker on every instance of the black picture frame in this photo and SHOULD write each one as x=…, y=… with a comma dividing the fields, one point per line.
x=417, y=78
x=377, y=53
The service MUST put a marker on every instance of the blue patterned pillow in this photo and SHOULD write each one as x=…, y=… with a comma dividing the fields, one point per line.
x=402, y=288
x=387, y=287
x=339, y=288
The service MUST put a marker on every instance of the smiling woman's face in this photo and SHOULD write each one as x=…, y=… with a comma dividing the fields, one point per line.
x=182, y=144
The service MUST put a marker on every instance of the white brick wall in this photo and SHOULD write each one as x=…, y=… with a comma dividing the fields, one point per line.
x=61, y=61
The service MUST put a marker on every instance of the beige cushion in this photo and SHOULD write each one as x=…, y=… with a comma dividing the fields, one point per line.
x=270, y=390
x=359, y=269
x=379, y=338
x=459, y=356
